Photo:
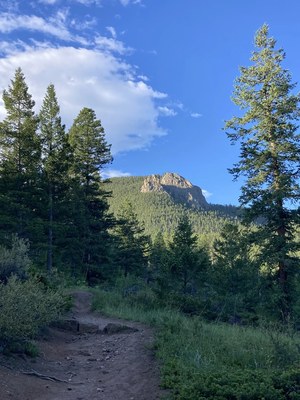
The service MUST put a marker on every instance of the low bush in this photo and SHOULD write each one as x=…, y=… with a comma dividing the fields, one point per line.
x=25, y=307
x=14, y=260
x=240, y=385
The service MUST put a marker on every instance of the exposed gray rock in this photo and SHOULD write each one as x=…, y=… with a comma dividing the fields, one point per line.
x=177, y=187
x=172, y=179
x=74, y=325
x=152, y=183
x=66, y=325
x=87, y=328
x=112, y=329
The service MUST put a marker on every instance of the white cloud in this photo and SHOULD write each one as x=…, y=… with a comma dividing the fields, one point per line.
x=50, y=2
x=9, y=5
x=127, y=2
x=143, y=78
x=114, y=173
x=196, y=115
x=206, y=193
x=10, y=22
x=112, y=31
x=89, y=2
x=95, y=79
x=56, y=26
x=167, y=112
x=83, y=2
x=111, y=44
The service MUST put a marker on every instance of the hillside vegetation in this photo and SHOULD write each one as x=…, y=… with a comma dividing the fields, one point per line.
x=212, y=361
x=159, y=212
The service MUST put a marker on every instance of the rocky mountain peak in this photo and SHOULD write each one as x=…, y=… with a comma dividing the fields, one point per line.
x=177, y=187
x=172, y=179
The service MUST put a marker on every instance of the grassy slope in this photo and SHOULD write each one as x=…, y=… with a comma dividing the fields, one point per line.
x=213, y=361
x=159, y=212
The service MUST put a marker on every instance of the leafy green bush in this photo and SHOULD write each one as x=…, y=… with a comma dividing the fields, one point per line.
x=241, y=385
x=14, y=260
x=25, y=307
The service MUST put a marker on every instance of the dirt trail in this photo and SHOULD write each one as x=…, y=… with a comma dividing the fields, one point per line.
x=85, y=364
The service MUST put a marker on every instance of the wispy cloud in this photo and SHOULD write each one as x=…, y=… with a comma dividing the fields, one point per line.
x=144, y=78
x=196, y=115
x=128, y=2
x=114, y=173
x=89, y=2
x=112, y=31
x=49, y=2
x=55, y=27
x=83, y=2
x=206, y=193
x=112, y=45
x=166, y=111
x=9, y=5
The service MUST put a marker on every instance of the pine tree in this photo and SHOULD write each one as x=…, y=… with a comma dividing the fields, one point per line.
x=270, y=156
x=157, y=257
x=92, y=220
x=188, y=263
x=235, y=274
x=55, y=167
x=19, y=160
x=132, y=245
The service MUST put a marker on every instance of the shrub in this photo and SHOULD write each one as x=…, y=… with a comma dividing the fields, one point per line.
x=25, y=307
x=15, y=260
x=239, y=385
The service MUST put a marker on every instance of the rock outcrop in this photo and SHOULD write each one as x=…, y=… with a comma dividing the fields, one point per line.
x=177, y=187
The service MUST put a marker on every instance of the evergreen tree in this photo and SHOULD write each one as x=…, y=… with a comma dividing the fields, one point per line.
x=270, y=156
x=132, y=245
x=19, y=160
x=157, y=257
x=56, y=159
x=91, y=151
x=188, y=264
x=89, y=198
x=235, y=273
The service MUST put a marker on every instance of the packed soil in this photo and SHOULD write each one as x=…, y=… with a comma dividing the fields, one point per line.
x=85, y=357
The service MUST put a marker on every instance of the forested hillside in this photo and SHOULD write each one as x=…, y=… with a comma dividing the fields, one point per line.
x=159, y=212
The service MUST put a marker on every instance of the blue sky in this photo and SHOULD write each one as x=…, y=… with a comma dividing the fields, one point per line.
x=158, y=73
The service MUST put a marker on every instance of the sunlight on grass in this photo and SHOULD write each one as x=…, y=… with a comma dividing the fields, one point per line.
x=219, y=361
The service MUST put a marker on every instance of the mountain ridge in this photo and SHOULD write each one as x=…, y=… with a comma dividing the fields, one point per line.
x=160, y=212
x=178, y=187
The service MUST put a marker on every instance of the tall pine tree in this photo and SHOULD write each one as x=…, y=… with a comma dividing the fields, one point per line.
x=270, y=156
x=187, y=262
x=56, y=160
x=19, y=161
x=90, y=154
x=132, y=244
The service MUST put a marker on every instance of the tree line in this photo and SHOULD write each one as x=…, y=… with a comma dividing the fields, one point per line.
x=50, y=181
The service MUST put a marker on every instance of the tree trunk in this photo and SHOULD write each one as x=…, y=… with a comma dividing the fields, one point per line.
x=50, y=233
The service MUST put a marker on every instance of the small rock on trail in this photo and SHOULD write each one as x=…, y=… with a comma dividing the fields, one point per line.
x=98, y=358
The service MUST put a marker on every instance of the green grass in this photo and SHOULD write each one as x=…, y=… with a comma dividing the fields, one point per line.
x=203, y=360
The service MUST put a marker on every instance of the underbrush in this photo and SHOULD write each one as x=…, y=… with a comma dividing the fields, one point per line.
x=217, y=361
x=26, y=307
x=29, y=300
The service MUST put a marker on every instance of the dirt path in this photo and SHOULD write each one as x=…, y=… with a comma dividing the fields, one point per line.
x=97, y=358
